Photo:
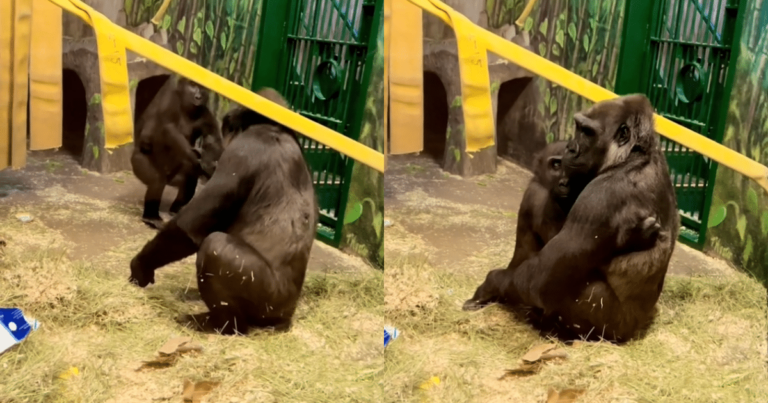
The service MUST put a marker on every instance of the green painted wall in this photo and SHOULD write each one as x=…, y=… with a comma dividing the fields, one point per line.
x=738, y=221
x=218, y=35
x=582, y=36
x=363, y=232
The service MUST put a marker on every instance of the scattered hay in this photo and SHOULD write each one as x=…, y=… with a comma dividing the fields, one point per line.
x=408, y=290
x=94, y=321
x=707, y=344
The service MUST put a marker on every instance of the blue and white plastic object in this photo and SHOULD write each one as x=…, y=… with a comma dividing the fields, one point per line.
x=14, y=327
x=390, y=334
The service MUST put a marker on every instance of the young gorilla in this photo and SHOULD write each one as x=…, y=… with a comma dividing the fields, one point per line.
x=589, y=275
x=252, y=226
x=545, y=206
x=164, y=155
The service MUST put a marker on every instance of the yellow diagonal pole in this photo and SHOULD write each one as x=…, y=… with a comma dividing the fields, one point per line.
x=234, y=92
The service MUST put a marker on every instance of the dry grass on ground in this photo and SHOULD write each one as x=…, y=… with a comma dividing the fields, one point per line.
x=92, y=319
x=707, y=345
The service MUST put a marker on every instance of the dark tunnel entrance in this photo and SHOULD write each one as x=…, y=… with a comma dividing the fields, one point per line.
x=75, y=113
x=435, y=116
x=518, y=132
x=145, y=93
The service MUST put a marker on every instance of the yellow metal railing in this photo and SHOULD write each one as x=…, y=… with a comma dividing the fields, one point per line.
x=113, y=40
x=473, y=43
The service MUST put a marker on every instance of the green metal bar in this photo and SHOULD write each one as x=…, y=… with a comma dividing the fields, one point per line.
x=683, y=121
x=328, y=41
x=710, y=11
x=711, y=27
x=354, y=90
x=631, y=73
x=265, y=71
x=290, y=89
x=343, y=15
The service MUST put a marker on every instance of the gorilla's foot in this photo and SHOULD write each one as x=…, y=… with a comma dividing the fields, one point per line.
x=471, y=305
x=154, y=222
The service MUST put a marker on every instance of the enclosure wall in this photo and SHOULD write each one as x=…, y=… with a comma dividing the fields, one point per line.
x=363, y=230
x=582, y=36
x=221, y=36
x=738, y=220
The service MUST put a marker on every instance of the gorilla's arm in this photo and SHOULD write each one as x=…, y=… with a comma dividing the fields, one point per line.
x=180, y=145
x=218, y=204
x=586, y=242
x=213, y=209
x=526, y=243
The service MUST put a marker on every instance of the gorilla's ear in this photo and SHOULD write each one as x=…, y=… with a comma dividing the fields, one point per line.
x=586, y=125
x=639, y=123
x=623, y=135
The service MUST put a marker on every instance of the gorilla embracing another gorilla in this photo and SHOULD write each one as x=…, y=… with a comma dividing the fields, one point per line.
x=252, y=227
x=602, y=273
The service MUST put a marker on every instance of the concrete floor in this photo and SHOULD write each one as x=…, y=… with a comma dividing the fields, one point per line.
x=93, y=214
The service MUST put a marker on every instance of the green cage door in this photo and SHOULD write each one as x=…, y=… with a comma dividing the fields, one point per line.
x=319, y=55
x=678, y=53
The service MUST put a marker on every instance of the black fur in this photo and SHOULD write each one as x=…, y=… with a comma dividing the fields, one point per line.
x=240, y=118
x=602, y=274
x=252, y=227
x=163, y=153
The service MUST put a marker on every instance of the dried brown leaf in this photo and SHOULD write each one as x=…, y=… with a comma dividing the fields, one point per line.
x=172, y=345
x=194, y=392
x=535, y=353
x=190, y=346
x=564, y=396
x=559, y=353
x=170, y=352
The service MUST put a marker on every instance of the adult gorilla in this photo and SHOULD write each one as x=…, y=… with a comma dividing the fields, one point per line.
x=587, y=276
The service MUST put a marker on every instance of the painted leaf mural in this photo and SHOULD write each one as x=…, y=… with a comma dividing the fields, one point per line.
x=717, y=217
x=182, y=24
x=764, y=223
x=583, y=37
x=752, y=200
x=572, y=30
x=543, y=26
x=528, y=24
x=353, y=213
